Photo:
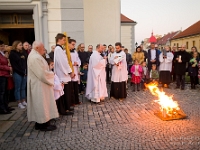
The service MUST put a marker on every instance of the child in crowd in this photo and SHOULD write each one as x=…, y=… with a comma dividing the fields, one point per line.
x=58, y=89
x=136, y=71
x=154, y=74
x=144, y=75
x=193, y=70
x=83, y=78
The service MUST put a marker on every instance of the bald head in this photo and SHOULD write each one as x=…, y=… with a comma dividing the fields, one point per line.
x=39, y=47
x=100, y=48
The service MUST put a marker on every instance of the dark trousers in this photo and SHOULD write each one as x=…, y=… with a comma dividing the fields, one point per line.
x=173, y=77
x=82, y=86
x=3, y=90
x=107, y=73
x=69, y=95
x=61, y=105
x=193, y=80
x=180, y=81
x=76, y=91
x=136, y=85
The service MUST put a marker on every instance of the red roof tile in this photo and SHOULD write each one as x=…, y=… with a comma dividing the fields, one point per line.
x=167, y=37
x=192, y=30
x=125, y=19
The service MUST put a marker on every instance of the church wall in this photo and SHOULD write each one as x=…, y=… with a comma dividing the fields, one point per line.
x=101, y=22
x=72, y=19
x=127, y=36
x=54, y=21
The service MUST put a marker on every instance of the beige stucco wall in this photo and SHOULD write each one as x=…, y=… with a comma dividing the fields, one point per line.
x=183, y=41
x=101, y=22
x=128, y=36
x=54, y=20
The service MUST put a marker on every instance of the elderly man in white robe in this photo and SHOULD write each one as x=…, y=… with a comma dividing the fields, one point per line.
x=165, y=58
x=119, y=73
x=41, y=103
x=96, y=89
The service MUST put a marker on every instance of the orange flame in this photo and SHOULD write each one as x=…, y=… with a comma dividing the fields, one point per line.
x=166, y=102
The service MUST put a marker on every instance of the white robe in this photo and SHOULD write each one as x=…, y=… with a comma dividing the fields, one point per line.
x=119, y=73
x=166, y=64
x=58, y=88
x=75, y=58
x=40, y=99
x=61, y=65
x=96, y=81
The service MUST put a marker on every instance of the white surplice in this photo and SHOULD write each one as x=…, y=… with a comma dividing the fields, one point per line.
x=75, y=58
x=61, y=65
x=119, y=73
x=96, y=81
x=166, y=64
x=58, y=88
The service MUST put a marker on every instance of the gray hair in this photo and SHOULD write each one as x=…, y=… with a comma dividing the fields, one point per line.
x=36, y=44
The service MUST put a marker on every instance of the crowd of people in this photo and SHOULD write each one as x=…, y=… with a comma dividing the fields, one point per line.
x=50, y=84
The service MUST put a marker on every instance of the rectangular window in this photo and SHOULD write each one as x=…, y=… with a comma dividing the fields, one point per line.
x=186, y=45
x=199, y=44
x=177, y=45
x=193, y=43
x=174, y=44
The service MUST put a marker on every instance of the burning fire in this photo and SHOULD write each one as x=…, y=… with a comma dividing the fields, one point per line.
x=168, y=107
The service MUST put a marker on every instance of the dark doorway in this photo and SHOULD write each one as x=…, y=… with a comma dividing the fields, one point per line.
x=22, y=34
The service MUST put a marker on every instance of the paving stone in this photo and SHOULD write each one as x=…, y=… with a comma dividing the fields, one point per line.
x=5, y=125
x=130, y=124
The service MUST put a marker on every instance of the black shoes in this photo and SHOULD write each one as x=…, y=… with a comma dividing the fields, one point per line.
x=5, y=112
x=45, y=126
x=10, y=109
x=67, y=113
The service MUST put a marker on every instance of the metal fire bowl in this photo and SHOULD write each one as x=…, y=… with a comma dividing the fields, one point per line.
x=179, y=115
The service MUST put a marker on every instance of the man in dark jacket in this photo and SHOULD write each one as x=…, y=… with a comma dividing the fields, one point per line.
x=180, y=61
x=153, y=57
x=83, y=55
x=129, y=60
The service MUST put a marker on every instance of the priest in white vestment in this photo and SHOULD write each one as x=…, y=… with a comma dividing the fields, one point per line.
x=40, y=99
x=165, y=68
x=119, y=73
x=96, y=89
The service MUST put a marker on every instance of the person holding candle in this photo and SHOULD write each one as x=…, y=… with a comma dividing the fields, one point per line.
x=180, y=61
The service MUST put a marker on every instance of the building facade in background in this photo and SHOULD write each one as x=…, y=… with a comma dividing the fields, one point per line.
x=189, y=37
x=166, y=39
x=128, y=33
x=88, y=21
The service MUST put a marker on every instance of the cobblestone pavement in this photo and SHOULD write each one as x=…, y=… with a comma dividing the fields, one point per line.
x=130, y=124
